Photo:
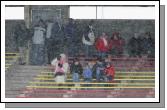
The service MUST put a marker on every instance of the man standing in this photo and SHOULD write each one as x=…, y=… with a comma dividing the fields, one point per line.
x=148, y=45
x=70, y=30
x=56, y=38
x=134, y=46
x=49, y=41
x=21, y=38
x=38, y=47
x=88, y=39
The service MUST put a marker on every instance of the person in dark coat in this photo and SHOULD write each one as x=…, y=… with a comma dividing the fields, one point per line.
x=148, y=45
x=98, y=69
x=70, y=31
x=134, y=46
x=21, y=37
x=49, y=41
x=76, y=70
x=55, y=41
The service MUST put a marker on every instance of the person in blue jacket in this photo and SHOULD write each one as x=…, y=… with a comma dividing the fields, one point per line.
x=87, y=74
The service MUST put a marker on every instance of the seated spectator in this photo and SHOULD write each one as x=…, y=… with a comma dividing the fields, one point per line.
x=108, y=59
x=109, y=72
x=116, y=44
x=98, y=70
x=134, y=46
x=61, y=68
x=102, y=45
x=76, y=70
x=87, y=74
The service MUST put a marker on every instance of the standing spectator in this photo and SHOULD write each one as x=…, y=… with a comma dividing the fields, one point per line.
x=88, y=39
x=56, y=39
x=116, y=44
x=49, y=41
x=134, y=46
x=102, y=45
x=70, y=31
x=21, y=36
x=148, y=45
x=87, y=74
x=122, y=44
x=38, y=47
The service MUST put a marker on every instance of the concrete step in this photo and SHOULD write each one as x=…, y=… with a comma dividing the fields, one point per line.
x=89, y=93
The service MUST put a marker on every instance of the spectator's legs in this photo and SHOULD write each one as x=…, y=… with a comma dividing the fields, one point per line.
x=41, y=54
x=97, y=75
x=86, y=50
x=75, y=77
x=34, y=54
x=22, y=52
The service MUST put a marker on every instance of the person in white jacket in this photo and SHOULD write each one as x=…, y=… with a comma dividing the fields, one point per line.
x=38, y=44
x=61, y=68
x=88, y=39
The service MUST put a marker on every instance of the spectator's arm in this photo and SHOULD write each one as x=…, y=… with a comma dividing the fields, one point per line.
x=65, y=67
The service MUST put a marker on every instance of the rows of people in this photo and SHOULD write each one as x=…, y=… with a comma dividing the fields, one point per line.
x=101, y=70
x=49, y=38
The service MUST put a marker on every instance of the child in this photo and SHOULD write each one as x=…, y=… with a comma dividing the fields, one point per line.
x=76, y=70
x=110, y=72
x=98, y=68
x=87, y=74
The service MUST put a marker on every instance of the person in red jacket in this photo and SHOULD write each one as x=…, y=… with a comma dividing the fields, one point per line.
x=109, y=72
x=102, y=45
x=116, y=44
